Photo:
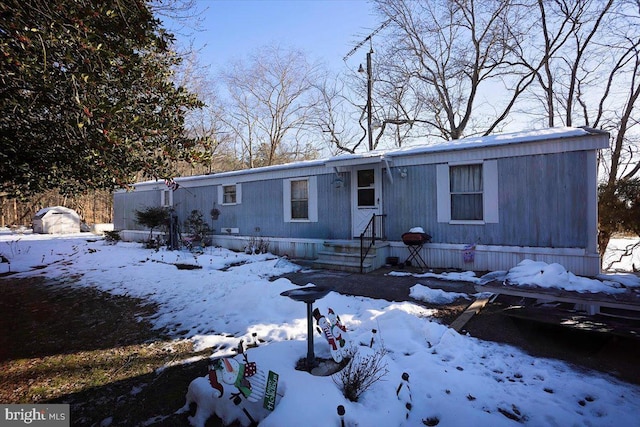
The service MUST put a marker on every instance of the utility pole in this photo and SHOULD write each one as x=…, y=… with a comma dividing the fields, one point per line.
x=369, y=79
x=369, y=92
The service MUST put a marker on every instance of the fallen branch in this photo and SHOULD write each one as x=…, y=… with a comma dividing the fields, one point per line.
x=628, y=251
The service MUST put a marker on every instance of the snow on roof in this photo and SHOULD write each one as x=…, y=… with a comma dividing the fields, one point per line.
x=494, y=140
x=454, y=145
x=56, y=209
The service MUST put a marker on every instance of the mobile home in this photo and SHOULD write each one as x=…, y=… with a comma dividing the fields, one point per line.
x=486, y=202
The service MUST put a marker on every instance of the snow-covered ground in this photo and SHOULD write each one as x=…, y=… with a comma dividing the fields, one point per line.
x=454, y=379
x=622, y=254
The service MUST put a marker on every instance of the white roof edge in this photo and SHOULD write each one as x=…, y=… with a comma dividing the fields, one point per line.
x=241, y=172
x=530, y=136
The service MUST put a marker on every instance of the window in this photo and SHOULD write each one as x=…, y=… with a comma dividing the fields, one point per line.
x=166, y=198
x=366, y=188
x=229, y=194
x=300, y=199
x=466, y=192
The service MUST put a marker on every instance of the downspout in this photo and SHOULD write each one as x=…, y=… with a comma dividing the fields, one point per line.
x=389, y=174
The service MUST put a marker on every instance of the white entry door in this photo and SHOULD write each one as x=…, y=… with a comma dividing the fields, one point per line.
x=366, y=190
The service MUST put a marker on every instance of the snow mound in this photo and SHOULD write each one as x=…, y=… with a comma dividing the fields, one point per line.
x=554, y=275
x=434, y=296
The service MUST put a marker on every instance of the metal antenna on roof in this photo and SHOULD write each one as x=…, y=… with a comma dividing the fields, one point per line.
x=369, y=37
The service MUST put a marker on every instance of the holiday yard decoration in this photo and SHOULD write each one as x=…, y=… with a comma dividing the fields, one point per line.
x=334, y=331
x=234, y=390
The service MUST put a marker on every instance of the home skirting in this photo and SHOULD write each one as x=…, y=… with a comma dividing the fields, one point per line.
x=436, y=255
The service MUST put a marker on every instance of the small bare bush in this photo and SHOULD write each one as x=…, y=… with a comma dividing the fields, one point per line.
x=361, y=373
x=257, y=245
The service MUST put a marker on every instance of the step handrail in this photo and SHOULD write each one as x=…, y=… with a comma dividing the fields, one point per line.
x=369, y=233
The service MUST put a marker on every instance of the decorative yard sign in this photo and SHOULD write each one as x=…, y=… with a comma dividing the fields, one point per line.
x=249, y=381
x=236, y=390
x=270, y=391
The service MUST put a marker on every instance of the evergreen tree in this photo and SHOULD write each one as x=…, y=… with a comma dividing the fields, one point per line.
x=86, y=96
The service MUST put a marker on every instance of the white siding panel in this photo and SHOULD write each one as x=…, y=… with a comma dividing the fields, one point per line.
x=442, y=188
x=495, y=258
x=592, y=202
x=313, y=199
x=490, y=172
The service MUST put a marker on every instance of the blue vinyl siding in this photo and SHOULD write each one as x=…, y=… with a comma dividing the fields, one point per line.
x=543, y=200
x=202, y=199
x=410, y=202
x=261, y=212
x=541, y=204
x=126, y=203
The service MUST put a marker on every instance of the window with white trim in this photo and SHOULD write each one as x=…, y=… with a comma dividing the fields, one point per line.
x=229, y=194
x=166, y=198
x=465, y=184
x=300, y=199
x=467, y=192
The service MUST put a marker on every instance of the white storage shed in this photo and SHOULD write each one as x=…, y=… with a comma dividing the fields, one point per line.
x=56, y=220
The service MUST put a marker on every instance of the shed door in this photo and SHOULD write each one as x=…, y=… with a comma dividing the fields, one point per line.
x=366, y=188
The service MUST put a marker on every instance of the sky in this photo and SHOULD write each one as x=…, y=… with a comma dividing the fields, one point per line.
x=454, y=379
x=326, y=30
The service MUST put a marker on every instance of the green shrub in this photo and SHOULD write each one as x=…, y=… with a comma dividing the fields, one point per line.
x=196, y=227
x=112, y=237
x=152, y=217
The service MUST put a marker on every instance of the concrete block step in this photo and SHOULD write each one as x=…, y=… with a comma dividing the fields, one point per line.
x=341, y=249
x=350, y=246
x=353, y=267
x=343, y=257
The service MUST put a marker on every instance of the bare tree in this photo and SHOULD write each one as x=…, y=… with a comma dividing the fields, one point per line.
x=449, y=51
x=270, y=100
x=206, y=123
x=562, y=44
x=335, y=115
x=590, y=76
x=570, y=62
x=399, y=105
x=620, y=163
